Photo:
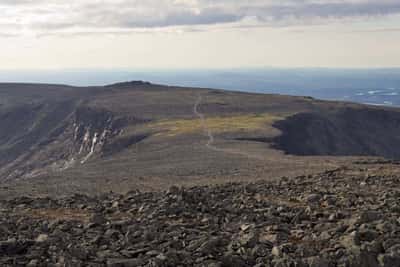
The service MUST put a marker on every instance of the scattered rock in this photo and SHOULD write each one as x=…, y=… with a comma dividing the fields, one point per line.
x=369, y=216
x=312, y=198
x=42, y=238
x=124, y=263
x=269, y=223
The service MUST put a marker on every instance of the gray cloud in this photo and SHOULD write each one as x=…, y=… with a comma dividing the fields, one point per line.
x=332, y=10
x=42, y=17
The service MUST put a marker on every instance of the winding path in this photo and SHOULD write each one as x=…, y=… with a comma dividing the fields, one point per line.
x=207, y=130
x=210, y=142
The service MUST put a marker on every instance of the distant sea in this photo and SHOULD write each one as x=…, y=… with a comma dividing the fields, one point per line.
x=371, y=86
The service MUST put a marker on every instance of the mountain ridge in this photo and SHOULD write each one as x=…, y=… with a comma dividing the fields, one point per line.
x=146, y=136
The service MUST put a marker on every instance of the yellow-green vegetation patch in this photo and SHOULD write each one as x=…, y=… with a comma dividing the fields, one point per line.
x=245, y=122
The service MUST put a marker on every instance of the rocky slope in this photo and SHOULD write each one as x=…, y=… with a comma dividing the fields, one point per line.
x=343, y=217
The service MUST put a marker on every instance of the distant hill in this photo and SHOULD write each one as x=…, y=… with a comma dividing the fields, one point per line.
x=57, y=139
x=373, y=86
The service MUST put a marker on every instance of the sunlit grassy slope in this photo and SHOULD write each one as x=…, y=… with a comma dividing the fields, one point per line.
x=215, y=124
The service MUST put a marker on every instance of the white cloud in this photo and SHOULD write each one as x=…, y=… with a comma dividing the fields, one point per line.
x=83, y=16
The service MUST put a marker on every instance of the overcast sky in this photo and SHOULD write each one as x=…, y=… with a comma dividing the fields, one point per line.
x=146, y=34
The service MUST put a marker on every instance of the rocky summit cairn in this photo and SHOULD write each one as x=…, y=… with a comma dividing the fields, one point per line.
x=320, y=221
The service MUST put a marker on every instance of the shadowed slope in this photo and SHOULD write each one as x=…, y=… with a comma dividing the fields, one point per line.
x=346, y=132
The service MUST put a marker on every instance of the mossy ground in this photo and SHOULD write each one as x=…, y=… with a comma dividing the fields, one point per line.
x=243, y=122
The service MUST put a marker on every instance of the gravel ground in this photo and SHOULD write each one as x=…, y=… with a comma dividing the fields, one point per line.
x=330, y=219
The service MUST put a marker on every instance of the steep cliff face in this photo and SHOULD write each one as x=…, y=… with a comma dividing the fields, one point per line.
x=92, y=129
x=26, y=130
x=342, y=132
x=54, y=138
x=50, y=128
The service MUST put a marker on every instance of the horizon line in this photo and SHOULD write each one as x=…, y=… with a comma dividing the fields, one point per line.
x=73, y=69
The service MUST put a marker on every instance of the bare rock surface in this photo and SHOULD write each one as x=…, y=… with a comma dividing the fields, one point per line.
x=321, y=221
